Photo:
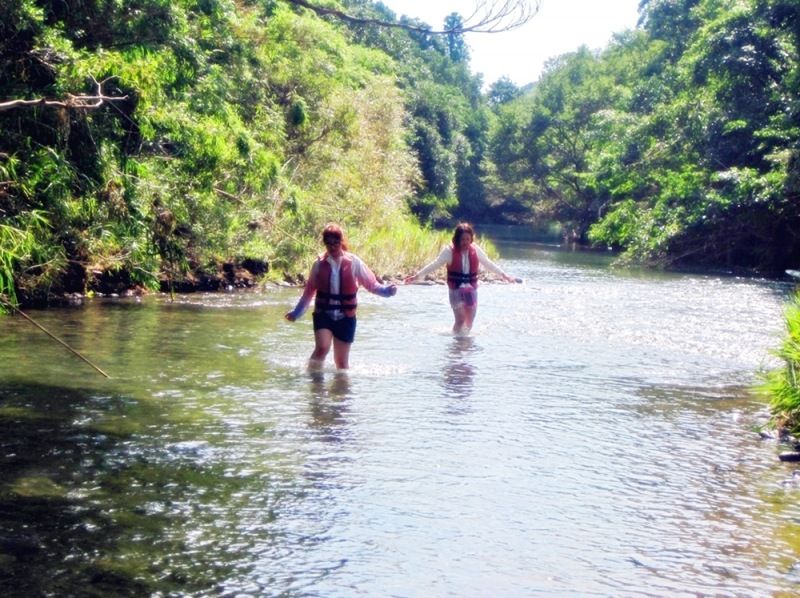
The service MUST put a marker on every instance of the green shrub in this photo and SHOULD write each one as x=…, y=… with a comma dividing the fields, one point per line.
x=782, y=386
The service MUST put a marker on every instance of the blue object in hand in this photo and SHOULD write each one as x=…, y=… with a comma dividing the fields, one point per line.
x=388, y=290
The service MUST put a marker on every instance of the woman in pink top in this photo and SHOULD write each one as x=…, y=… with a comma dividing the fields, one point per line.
x=334, y=279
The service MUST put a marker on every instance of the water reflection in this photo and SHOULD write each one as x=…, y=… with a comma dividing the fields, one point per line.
x=330, y=399
x=459, y=373
x=202, y=468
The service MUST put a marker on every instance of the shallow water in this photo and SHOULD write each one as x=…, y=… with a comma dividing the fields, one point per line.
x=593, y=436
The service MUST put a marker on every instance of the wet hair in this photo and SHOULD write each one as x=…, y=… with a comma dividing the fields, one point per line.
x=334, y=230
x=461, y=228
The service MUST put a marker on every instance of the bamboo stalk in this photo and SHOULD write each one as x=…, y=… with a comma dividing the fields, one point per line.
x=51, y=335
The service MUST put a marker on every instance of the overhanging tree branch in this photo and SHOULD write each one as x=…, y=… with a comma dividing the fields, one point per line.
x=73, y=102
x=488, y=16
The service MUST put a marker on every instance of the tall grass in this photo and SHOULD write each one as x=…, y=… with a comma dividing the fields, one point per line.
x=20, y=249
x=9, y=238
x=400, y=250
x=781, y=386
x=404, y=248
x=392, y=252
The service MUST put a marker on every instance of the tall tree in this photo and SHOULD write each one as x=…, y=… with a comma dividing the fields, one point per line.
x=502, y=92
x=457, y=49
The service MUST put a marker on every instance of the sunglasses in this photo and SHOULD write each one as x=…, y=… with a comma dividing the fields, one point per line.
x=332, y=241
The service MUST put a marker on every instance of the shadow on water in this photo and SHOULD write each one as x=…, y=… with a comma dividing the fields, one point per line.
x=84, y=504
x=49, y=532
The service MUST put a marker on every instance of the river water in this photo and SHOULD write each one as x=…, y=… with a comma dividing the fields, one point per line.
x=594, y=436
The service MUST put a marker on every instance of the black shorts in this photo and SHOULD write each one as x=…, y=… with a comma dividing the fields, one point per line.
x=343, y=329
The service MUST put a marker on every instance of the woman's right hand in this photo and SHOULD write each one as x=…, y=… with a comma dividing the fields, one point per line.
x=409, y=279
x=289, y=315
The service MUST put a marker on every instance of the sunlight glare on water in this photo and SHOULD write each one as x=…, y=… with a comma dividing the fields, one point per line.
x=593, y=436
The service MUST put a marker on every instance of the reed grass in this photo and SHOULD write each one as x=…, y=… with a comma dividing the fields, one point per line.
x=781, y=386
x=392, y=252
x=396, y=252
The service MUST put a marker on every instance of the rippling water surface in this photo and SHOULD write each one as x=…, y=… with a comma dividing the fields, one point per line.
x=594, y=436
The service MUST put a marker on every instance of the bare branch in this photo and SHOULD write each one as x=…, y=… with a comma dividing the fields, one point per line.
x=229, y=196
x=72, y=102
x=488, y=16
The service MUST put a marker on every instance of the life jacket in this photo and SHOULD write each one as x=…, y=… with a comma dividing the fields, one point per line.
x=455, y=274
x=348, y=287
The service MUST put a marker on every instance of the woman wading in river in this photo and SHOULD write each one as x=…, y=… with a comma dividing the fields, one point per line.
x=463, y=259
x=334, y=279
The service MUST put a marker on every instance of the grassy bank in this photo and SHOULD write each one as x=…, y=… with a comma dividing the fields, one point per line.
x=393, y=252
x=782, y=386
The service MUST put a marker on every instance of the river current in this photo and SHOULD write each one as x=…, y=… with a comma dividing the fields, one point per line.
x=594, y=436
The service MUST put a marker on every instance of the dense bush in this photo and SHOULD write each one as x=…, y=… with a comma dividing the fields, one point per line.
x=243, y=128
x=677, y=144
x=233, y=130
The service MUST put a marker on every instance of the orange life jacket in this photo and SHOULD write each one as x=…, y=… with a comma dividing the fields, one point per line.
x=455, y=274
x=348, y=287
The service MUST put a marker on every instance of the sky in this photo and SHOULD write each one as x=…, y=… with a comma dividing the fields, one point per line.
x=559, y=27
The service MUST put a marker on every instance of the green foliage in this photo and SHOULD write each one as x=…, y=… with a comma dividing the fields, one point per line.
x=447, y=127
x=547, y=146
x=12, y=247
x=27, y=257
x=240, y=128
x=782, y=386
x=502, y=91
x=673, y=21
x=446, y=140
x=411, y=247
x=245, y=128
x=677, y=144
x=433, y=209
x=457, y=49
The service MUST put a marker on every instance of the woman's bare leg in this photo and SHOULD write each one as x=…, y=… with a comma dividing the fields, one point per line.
x=322, y=344
x=460, y=316
x=341, y=354
x=469, y=317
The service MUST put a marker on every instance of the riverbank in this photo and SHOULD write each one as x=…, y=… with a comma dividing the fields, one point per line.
x=392, y=255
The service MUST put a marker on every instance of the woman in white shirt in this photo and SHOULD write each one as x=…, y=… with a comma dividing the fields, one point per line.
x=463, y=259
